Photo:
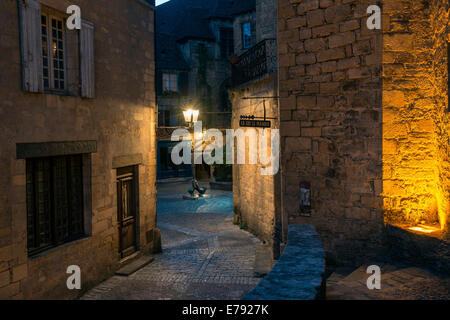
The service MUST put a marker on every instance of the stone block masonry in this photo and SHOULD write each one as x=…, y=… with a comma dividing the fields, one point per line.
x=257, y=206
x=364, y=119
x=299, y=274
x=120, y=119
x=335, y=103
x=415, y=113
x=256, y=197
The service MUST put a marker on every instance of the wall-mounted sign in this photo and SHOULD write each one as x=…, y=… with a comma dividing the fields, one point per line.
x=255, y=123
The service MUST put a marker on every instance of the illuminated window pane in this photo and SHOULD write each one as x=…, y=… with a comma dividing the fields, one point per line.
x=170, y=82
x=53, y=46
x=246, y=35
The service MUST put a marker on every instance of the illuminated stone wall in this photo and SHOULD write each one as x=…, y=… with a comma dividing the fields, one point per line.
x=440, y=19
x=363, y=118
x=415, y=121
x=256, y=196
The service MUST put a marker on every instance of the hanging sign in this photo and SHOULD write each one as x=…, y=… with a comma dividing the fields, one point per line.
x=252, y=121
x=255, y=123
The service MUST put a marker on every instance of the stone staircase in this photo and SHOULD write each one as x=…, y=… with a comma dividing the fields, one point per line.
x=398, y=282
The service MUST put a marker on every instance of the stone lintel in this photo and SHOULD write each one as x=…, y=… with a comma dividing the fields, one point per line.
x=50, y=149
x=127, y=160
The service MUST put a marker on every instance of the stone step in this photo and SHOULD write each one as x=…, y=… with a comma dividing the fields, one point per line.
x=134, y=266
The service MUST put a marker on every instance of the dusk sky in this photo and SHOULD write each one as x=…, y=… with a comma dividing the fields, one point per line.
x=158, y=2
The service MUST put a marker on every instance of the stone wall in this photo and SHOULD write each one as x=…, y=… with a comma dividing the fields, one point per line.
x=330, y=105
x=256, y=197
x=266, y=20
x=364, y=118
x=440, y=18
x=300, y=272
x=257, y=206
x=121, y=119
x=415, y=117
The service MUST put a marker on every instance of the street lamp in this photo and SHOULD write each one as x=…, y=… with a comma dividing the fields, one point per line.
x=191, y=117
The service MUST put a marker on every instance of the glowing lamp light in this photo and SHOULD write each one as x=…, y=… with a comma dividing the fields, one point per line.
x=187, y=115
x=191, y=116
x=54, y=49
x=424, y=229
x=199, y=135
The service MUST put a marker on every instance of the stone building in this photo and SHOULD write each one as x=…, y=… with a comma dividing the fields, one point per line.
x=364, y=120
x=254, y=93
x=364, y=126
x=194, y=44
x=77, y=142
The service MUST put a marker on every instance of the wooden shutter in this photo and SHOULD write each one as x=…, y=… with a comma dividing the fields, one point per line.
x=31, y=45
x=87, y=68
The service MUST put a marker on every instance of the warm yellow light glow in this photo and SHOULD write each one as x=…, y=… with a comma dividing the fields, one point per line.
x=187, y=115
x=199, y=135
x=195, y=114
x=415, y=163
x=191, y=116
x=424, y=229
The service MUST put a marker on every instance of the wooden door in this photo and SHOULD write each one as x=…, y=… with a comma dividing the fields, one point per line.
x=127, y=193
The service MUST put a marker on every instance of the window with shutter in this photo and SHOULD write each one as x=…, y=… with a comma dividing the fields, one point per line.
x=170, y=82
x=53, y=51
x=46, y=66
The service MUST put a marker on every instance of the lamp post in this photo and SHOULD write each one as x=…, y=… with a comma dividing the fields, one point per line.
x=191, y=117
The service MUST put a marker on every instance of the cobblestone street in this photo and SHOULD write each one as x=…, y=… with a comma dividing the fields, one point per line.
x=204, y=255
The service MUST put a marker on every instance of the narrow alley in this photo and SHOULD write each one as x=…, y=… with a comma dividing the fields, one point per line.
x=204, y=255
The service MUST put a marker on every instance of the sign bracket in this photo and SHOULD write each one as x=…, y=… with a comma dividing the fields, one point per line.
x=254, y=121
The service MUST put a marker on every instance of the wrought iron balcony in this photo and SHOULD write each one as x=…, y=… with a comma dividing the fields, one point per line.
x=256, y=62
